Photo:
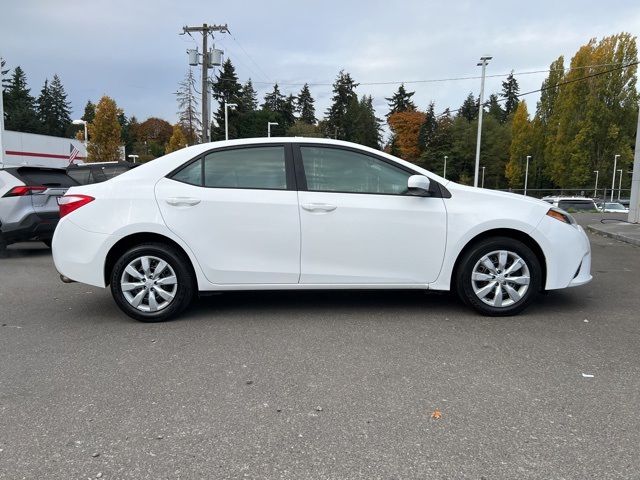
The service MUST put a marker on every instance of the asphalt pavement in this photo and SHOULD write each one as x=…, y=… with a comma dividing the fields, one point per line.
x=320, y=385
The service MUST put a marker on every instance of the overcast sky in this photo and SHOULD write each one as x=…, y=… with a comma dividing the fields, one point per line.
x=131, y=49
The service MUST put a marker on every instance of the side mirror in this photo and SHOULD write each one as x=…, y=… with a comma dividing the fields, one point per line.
x=418, y=185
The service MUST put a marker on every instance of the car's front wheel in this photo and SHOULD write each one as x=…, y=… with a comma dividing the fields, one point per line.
x=152, y=282
x=499, y=276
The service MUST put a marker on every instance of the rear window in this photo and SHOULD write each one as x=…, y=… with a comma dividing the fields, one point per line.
x=578, y=205
x=46, y=178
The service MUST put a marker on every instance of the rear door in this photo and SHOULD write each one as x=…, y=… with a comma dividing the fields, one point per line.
x=237, y=209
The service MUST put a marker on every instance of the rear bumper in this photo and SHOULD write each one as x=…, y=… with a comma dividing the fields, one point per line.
x=31, y=227
x=78, y=254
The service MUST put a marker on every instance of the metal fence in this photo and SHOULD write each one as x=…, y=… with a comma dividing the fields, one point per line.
x=600, y=194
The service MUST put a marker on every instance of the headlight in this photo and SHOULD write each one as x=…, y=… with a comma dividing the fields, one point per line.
x=561, y=215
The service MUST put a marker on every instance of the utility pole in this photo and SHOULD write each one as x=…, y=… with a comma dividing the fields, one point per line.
x=483, y=63
x=444, y=174
x=595, y=189
x=634, y=201
x=483, y=177
x=205, y=30
x=613, y=182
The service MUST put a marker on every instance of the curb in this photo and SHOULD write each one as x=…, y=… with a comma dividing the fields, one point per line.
x=616, y=236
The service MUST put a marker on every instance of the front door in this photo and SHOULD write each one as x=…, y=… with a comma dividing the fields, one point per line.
x=360, y=226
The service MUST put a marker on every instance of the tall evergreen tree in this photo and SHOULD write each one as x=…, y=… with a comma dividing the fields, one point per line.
x=400, y=101
x=249, y=98
x=494, y=109
x=428, y=128
x=343, y=96
x=60, y=109
x=305, y=106
x=367, y=127
x=44, y=108
x=188, y=113
x=510, y=90
x=3, y=74
x=89, y=112
x=469, y=108
x=19, y=105
x=274, y=101
x=288, y=111
x=227, y=89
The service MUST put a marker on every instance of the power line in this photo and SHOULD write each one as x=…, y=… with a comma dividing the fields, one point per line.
x=559, y=84
x=251, y=58
x=436, y=80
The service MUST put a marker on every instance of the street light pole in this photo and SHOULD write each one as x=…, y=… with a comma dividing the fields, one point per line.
x=526, y=175
x=483, y=63
x=634, y=199
x=226, y=117
x=482, y=184
x=595, y=189
x=613, y=182
x=619, y=184
x=269, y=127
x=444, y=174
x=86, y=136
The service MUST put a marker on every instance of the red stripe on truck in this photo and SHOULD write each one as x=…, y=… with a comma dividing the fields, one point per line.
x=43, y=155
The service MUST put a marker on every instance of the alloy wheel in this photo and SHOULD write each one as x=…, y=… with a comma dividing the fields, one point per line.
x=149, y=283
x=500, y=278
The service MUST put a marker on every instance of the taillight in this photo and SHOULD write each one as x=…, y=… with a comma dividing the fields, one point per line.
x=69, y=203
x=23, y=190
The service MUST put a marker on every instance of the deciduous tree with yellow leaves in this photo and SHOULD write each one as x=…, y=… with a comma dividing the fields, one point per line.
x=104, y=133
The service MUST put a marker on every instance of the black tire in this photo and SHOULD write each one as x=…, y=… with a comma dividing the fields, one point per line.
x=186, y=288
x=47, y=242
x=3, y=247
x=465, y=284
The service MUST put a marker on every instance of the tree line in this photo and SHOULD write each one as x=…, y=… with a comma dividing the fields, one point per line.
x=586, y=114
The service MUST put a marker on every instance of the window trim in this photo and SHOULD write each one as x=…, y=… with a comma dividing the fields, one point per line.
x=290, y=177
x=436, y=189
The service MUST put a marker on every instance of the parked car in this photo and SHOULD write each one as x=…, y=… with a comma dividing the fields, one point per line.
x=612, y=207
x=572, y=204
x=299, y=214
x=97, y=172
x=28, y=203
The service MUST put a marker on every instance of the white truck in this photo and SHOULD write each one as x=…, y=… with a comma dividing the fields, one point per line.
x=33, y=150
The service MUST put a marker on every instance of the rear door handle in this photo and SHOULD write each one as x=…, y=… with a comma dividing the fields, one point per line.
x=318, y=207
x=182, y=201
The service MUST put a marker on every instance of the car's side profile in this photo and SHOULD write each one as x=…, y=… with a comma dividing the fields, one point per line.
x=294, y=213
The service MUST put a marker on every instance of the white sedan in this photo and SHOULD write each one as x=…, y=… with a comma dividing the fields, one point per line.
x=294, y=213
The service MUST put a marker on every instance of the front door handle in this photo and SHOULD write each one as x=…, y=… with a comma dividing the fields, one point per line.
x=318, y=207
x=183, y=201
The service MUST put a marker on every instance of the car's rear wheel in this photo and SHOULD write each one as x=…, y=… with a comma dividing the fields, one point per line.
x=499, y=276
x=152, y=282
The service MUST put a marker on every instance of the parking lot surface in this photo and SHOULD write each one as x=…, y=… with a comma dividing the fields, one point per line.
x=327, y=385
